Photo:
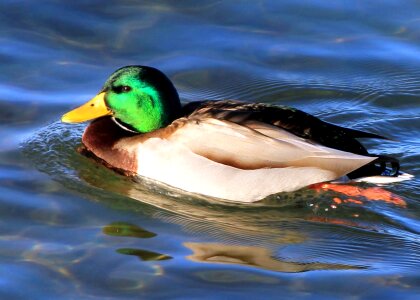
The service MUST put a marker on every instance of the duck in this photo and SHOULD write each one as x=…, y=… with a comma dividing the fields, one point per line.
x=225, y=149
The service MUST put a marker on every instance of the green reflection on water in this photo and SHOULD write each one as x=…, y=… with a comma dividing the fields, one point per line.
x=127, y=229
x=144, y=255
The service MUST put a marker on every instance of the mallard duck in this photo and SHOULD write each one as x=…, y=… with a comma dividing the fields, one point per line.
x=231, y=150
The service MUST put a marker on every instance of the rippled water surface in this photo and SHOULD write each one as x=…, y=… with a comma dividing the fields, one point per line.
x=72, y=229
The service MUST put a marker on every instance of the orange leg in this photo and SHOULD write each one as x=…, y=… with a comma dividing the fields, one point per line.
x=369, y=194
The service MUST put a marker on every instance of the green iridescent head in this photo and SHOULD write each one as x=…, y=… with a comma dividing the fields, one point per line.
x=139, y=98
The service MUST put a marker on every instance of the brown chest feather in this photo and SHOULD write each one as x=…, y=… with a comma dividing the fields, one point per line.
x=100, y=138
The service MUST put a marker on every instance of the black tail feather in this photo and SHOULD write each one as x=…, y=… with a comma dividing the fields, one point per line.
x=383, y=166
x=362, y=134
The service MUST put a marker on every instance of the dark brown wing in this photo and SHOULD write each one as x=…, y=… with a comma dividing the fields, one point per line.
x=293, y=120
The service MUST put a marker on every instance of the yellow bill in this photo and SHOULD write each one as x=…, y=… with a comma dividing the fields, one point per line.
x=93, y=109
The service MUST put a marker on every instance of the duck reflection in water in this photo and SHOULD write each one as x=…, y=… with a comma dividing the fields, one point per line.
x=252, y=256
x=218, y=253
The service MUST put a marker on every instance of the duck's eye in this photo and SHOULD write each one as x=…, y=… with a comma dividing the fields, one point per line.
x=125, y=88
x=121, y=89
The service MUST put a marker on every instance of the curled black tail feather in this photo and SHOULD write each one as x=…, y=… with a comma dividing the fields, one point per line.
x=383, y=161
x=383, y=165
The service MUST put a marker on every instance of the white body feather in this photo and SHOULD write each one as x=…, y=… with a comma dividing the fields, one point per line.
x=189, y=159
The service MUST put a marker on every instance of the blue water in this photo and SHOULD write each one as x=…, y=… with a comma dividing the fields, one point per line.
x=72, y=229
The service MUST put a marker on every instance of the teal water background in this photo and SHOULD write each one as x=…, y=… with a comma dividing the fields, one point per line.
x=71, y=229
